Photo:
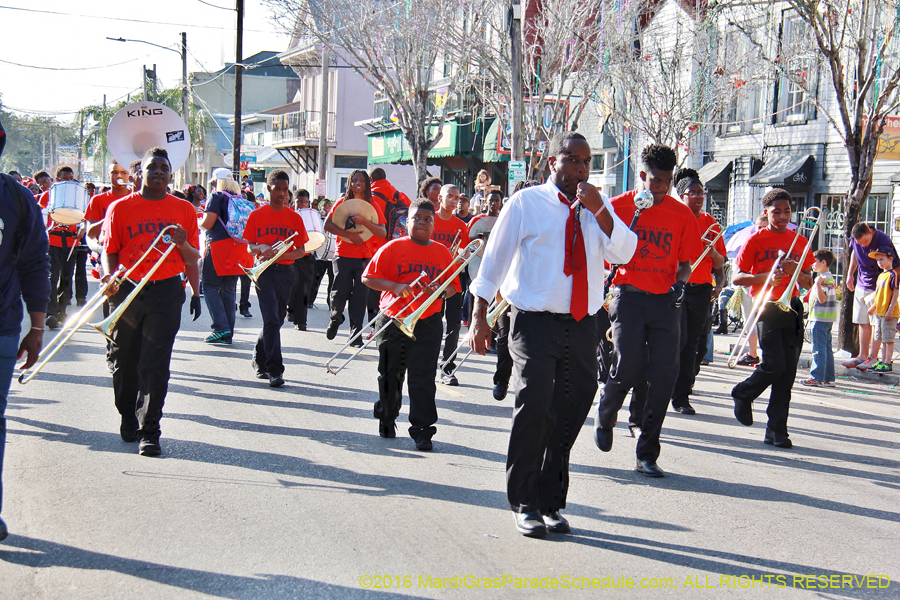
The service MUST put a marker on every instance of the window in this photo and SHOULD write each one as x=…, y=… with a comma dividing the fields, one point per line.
x=877, y=211
x=801, y=80
x=598, y=163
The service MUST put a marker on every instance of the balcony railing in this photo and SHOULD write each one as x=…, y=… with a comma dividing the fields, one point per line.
x=302, y=126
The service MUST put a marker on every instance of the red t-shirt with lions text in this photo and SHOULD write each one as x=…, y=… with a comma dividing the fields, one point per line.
x=446, y=231
x=132, y=224
x=703, y=272
x=760, y=252
x=267, y=226
x=667, y=235
x=401, y=261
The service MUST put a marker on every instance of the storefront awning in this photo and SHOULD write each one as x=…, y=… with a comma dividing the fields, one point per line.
x=490, y=154
x=390, y=147
x=786, y=170
x=716, y=175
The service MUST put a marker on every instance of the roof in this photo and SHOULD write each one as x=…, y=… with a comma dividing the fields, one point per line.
x=268, y=63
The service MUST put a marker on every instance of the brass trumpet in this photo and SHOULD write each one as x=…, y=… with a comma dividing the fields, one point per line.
x=763, y=300
x=76, y=321
x=280, y=247
x=710, y=244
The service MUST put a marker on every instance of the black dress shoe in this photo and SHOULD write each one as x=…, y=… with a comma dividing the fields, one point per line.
x=686, y=409
x=650, y=469
x=276, y=381
x=299, y=327
x=333, y=326
x=556, y=523
x=531, y=524
x=128, y=429
x=603, y=438
x=262, y=375
x=424, y=445
x=150, y=445
x=387, y=429
x=743, y=411
x=246, y=313
x=4, y=532
x=500, y=391
x=779, y=440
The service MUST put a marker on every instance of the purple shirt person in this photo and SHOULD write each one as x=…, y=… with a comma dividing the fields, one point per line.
x=861, y=276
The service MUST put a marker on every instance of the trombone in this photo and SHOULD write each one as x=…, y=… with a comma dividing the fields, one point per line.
x=76, y=321
x=408, y=324
x=280, y=248
x=497, y=309
x=763, y=300
x=366, y=326
x=710, y=244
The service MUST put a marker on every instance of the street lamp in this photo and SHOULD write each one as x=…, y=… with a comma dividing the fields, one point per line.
x=184, y=78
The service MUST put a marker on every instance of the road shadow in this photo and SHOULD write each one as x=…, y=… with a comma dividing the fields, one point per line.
x=42, y=554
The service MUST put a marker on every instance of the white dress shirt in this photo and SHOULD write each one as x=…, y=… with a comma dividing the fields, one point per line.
x=526, y=251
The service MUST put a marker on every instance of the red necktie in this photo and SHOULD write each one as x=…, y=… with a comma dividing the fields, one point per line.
x=576, y=263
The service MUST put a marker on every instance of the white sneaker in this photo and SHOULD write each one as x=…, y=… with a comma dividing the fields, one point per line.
x=868, y=364
x=830, y=384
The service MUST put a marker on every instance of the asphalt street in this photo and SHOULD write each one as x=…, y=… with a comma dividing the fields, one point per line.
x=290, y=493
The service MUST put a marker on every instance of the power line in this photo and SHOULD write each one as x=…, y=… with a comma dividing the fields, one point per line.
x=50, y=12
x=214, y=6
x=72, y=68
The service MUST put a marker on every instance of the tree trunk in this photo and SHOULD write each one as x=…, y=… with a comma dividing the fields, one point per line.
x=419, y=150
x=848, y=336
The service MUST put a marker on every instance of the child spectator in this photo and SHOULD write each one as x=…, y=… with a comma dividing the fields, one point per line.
x=885, y=308
x=822, y=315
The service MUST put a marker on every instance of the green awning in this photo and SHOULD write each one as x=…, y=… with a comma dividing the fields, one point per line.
x=489, y=153
x=390, y=147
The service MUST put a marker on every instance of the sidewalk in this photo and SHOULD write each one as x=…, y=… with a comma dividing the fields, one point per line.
x=723, y=344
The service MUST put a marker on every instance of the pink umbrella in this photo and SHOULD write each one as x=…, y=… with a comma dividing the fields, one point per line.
x=740, y=238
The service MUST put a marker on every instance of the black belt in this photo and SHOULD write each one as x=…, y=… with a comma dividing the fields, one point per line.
x=699, y=285
x=630, y=288
x=159, y=281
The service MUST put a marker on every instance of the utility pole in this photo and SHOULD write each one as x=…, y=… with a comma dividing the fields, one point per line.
x=78, y=168
x=238, y=91
x=517, y=152
x=185, y=116
x=323, y=120
x=103, y=144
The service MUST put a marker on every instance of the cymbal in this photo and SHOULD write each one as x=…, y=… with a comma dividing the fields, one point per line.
x=354, y=207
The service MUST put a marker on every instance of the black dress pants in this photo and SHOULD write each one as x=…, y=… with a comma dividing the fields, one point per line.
x=646, y=332
x=304, y=273
x=781, y=340
x=272, y=290
x=61, y=273
x=696, y=326
x=244, y=302
x=142, y=350
x=555, y=368
x=81, y=284
x=323, y=267
x=453, y=314
x=504, y=360
x=349, y=290
x=397, y=354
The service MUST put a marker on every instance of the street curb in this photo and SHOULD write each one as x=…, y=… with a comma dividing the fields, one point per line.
x=839, y=369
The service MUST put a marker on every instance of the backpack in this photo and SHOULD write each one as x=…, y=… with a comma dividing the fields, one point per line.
x=239, y=209
x=17, y=191
x=395, y=213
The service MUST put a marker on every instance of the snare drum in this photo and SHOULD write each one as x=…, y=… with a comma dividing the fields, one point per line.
x=314, y=229
x=68, y=201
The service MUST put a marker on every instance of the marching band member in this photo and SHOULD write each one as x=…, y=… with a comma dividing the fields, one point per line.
x=780, y=339
x=353, y=254
x=645, y=311
x=702, y=288
x=268, y=225
x=99, y=204
x=143, y=339
x=62, y=259
x=447, y=228
x=397, y=264
x=302, y=293
x=545, y=255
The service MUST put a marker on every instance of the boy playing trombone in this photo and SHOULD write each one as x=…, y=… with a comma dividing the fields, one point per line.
x=394, y=267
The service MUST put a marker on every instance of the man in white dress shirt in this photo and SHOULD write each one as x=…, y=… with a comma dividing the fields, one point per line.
x=545, y=255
